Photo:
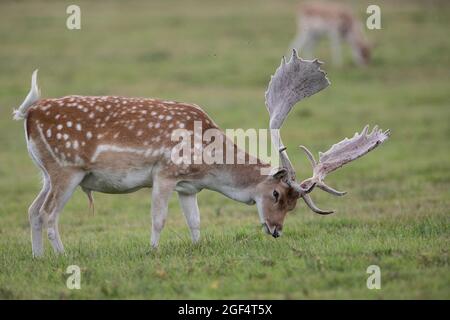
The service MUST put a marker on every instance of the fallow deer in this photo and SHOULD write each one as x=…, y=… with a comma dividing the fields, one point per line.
x=335, y=21
x=115, y=144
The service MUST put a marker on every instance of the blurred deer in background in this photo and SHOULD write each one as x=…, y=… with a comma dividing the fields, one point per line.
x=335, y=21
x=115, y=144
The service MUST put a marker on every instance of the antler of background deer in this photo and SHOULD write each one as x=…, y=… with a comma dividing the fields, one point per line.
x=292, y=82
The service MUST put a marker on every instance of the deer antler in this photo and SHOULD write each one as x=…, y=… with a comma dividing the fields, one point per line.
x=292, y=82
x=342, y=153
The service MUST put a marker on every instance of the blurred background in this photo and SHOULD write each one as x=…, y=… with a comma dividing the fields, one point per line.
x=220, y=55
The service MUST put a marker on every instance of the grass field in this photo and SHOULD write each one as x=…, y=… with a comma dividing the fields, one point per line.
x=220, y=54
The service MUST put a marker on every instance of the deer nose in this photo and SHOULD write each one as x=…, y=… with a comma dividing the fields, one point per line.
x=275, y=233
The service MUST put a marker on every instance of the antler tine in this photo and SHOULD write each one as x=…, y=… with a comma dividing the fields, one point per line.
x=330, y=190
x=310, y=156
x=294, y=54
x=313, y=207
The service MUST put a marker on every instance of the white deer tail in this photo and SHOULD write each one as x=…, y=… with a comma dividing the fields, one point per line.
x=32, y=97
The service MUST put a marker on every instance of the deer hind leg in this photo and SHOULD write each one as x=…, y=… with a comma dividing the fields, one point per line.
x=189, y=206
x=36, y=220
x=62, y=185
x=303, y=43
x=162, y=189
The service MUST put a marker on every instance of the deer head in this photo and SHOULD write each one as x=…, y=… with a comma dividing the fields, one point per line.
x=292, y=82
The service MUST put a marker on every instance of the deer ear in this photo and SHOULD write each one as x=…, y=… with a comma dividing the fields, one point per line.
x=279, y=173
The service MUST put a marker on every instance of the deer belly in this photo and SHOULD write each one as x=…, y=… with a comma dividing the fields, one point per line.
x=117, y=181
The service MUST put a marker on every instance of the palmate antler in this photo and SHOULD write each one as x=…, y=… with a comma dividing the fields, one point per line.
x=292, y=82
x=339, y=154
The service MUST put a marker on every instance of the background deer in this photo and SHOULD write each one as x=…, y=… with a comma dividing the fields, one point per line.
x=338, y=24
x=118, y=145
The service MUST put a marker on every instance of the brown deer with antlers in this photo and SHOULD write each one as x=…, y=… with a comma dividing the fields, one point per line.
x=118, y=145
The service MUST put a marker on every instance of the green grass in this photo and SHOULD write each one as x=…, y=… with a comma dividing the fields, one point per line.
x=220, y=54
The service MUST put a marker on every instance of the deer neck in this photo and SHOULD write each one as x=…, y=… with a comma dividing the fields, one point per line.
x=238, y=180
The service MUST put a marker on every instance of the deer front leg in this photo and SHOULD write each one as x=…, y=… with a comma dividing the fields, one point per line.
x=162, y=189
x=336, y=50
x=304, y=43
x=189, y=206
x=297, y=43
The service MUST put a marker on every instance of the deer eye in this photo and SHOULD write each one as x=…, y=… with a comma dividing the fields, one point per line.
x=276, y=195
